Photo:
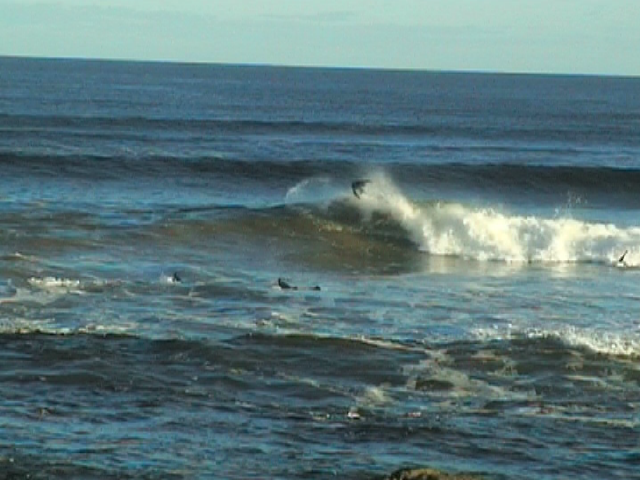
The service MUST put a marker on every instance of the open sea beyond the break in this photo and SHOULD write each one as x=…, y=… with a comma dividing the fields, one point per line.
x=472, y=310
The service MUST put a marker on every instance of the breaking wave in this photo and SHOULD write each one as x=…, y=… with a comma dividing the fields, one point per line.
x=490, y=234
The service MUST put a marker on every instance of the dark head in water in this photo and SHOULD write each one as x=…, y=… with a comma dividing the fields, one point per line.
x=176, y=278
x=358, y=186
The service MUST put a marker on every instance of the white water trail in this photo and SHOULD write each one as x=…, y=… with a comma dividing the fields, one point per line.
x=313, y=190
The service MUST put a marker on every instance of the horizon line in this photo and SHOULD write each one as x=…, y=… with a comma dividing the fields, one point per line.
x=314, y=66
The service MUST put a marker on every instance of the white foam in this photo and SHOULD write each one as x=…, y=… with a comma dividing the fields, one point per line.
x=54, y=283
x=437, y=368
x=373, y=397
x=619, y=344
x=387, y=344
x=24, y=295
x=20, y=256
x=170, y=279
x=23, y=326
x=489, y=234
x=607, y=343
x=114, y=329
x=28, y=326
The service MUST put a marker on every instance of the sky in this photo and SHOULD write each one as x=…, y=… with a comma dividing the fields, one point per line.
x=534, y=36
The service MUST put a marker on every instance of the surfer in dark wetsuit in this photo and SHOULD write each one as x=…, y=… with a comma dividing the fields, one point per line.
x=285, y=286
x=358, y=187
x=621, y=259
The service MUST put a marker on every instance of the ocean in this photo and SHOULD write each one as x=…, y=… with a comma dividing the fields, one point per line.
x=472, y=309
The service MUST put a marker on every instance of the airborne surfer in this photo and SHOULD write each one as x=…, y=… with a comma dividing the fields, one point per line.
x=358, y=186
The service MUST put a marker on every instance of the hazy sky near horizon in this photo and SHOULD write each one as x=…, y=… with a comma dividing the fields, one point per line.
x=547, y=36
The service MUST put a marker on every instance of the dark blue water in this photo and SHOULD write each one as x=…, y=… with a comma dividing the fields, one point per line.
x=473, y=310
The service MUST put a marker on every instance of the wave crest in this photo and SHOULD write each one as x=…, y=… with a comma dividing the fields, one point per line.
x=453, y=229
